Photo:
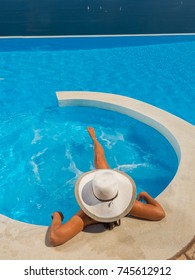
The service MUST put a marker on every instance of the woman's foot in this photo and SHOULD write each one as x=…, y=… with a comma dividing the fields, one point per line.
x=91, y=132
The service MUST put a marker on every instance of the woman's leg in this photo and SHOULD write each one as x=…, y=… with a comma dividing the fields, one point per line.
x=60, y=233
x=99, y=156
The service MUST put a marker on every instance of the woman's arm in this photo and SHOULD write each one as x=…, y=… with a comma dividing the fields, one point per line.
x=60, y=233
x=152, y=210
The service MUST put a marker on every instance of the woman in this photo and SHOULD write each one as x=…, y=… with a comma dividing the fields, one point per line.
x=150, y=210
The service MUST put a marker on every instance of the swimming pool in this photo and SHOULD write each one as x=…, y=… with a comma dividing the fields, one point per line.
x=41, y=154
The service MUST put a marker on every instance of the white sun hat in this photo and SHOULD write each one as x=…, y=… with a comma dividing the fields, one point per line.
x=105, y=195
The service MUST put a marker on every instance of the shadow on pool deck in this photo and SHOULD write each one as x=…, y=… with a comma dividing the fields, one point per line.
x=133, y=240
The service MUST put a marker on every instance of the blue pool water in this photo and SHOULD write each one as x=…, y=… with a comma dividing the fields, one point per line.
x=44, y=148
x=159, y=70
x=44, y=152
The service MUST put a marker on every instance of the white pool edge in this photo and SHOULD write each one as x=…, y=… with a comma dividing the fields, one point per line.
x=98, y=35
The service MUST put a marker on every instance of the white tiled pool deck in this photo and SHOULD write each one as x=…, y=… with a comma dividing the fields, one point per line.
x=134, y=239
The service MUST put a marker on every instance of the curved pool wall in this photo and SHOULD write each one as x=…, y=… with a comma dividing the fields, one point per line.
x=116, y=103
x=165, y=238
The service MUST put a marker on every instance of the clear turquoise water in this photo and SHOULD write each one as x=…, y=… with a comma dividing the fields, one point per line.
x=157, y=70
x=44, y=152
x=43, y=148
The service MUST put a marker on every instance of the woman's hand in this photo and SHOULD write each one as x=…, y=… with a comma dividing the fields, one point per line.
x=142, y=196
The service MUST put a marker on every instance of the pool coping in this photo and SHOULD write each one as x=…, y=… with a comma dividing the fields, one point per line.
x=134, y=239
x=99, y=35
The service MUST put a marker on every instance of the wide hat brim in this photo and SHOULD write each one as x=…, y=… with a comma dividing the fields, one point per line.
x=105, y=211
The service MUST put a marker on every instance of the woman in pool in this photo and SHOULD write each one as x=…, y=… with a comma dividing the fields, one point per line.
x=102, y=200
